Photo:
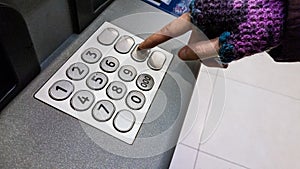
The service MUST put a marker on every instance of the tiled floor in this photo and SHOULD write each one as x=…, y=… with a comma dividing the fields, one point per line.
x=247, y=116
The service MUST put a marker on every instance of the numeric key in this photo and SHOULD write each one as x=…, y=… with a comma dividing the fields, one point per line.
x=61, y=90
x=77, y=71
x=91, y=55
x=116, y=90
x=127, y=73
x=97, y=81
x=109, y=64
x=135, y=100
x=82, y=100
x=103, y=110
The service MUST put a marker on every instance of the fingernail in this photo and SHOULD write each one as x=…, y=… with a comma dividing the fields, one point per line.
x=139, y=47
x=182, y=53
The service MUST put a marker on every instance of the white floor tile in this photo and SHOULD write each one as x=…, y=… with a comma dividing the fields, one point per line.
x=184, y=157
x=194, y=120
x=259, y=129
x=205, y=161
x=261, y=71
x=216, y=109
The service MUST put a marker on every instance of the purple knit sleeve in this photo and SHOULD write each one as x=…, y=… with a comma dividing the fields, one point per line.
x=245, y=27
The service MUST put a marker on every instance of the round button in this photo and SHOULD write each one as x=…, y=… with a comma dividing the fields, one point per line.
x=97, y=81
x=103, y=110
x=116, y=90
x=108, y=36
x=77, y=71
x=157, y=60
x=109, y=64
x=124, y=121
x=82, y=100
x=127, y=73
x=135, y=100
x=61, y=90
x=140, y=55
x=145, y=82
x=91, y=55
x=124, y=44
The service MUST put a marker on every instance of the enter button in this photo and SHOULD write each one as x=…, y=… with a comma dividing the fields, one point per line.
x=156, y=60
x=124, y=121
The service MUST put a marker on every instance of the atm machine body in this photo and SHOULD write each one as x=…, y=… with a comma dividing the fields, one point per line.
x=37, y=37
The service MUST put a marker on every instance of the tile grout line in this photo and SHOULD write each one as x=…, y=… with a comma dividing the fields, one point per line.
x=209, y=104
x=191, y=147
x=223, y=159
x=262, y=88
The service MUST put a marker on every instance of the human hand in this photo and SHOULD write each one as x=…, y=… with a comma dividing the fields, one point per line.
x=198, y=46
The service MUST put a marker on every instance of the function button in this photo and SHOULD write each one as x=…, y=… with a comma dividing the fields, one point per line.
x=77, y=71
x=103, y=110
x=109, y=64
x=156, y=60
x=124, y=121
x=140, y=55
x=135, y=100
x=96, y=81
x=116, y=90
x=82, y=100
x=61, y=90
x=124, y=44
x=108, y=36
x=91, y=55
x=127, y=73
x=145, y=82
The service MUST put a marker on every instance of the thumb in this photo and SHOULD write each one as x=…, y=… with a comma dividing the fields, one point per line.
x=200, y=50
x=206, y=51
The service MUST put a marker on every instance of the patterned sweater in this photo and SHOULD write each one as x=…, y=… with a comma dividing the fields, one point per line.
x=245, y=27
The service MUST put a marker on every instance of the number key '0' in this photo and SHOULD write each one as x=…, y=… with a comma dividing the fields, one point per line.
x=135, y=100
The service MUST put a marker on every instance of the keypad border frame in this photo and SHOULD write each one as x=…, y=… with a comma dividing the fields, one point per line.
x=87, y=117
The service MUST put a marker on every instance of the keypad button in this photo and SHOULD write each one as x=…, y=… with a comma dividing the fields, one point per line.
x=124, y=121
x=124, y=44
x=108, y=36
x=82, y=100
x=97, y=81
x=91, y=55
x=77, y=71
x=103, y=110
x=127, y=73
x=116, y=90
x=135, y=100
x=145, y=82
x=109, y=64
x=156, y=60
x=61, y=90
x=140, y=55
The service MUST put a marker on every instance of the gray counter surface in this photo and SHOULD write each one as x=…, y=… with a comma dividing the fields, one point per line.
x=35, y=135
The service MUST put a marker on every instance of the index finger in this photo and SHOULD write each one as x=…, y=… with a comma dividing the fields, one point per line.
x=175, y=28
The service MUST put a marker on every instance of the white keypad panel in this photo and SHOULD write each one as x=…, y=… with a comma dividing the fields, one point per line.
x=108, y=83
